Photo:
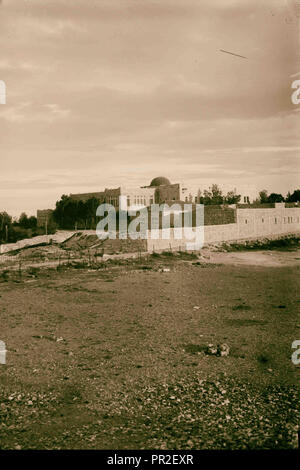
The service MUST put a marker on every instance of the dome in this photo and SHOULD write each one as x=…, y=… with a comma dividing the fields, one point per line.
x=159, y=181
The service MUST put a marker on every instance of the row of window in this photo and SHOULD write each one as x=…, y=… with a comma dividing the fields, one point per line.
x=197, y=199
x=136, y=200
x=139, y=200
x=286, y=220
x=114, y=201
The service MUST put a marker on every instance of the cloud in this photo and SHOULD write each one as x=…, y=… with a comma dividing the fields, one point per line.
x=112, y=92
x=28, y=112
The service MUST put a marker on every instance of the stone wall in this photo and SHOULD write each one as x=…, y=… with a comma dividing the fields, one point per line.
x=219, y=215
x=263, y=222
x=250, y=224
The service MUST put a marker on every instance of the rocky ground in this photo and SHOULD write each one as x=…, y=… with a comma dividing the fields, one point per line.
x=116, y=357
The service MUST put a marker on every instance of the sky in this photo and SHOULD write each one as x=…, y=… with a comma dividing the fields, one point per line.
x=103, y=93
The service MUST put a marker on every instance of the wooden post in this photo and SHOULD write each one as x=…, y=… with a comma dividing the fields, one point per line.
x=20, y=267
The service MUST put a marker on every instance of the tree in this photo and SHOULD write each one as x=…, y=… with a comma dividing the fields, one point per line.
x=23, y=220
x=65, y=212
x=32, y=222
x=27, y=222
x=232, y=198
x=275, y=197
x=263, y=195
x=5, y=225
x=199, y=197
x=213, y=195
x=295, y=197
x=90, y=209
x=217, y=197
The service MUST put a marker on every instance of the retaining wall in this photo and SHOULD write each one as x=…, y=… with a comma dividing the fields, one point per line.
x=57, y=237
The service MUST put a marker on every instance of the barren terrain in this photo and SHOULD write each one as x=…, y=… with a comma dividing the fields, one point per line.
x=114, y=357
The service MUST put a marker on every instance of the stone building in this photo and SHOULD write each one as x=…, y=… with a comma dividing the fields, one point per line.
x=159, y=191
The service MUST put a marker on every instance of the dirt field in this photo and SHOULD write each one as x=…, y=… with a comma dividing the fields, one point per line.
x=114, y=358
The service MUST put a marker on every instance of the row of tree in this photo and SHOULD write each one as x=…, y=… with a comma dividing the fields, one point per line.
x=12, y=230
x=70, y=214
x=214, y=196
x=265, y=198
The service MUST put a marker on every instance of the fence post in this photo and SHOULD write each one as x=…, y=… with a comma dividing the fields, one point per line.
x=20, y=267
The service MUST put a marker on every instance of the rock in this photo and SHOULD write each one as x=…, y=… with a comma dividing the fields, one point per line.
x=211, y=350
x=223, y=349
x=219, y=350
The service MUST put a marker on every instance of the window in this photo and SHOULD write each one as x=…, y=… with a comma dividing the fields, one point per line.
x=262, y=220
x=275, y=221
x=128, y=201
x=246, y=221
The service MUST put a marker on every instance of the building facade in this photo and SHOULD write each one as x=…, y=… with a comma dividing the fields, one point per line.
x=161, y=190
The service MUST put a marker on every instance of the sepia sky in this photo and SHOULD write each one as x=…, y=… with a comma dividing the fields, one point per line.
x=102, y=93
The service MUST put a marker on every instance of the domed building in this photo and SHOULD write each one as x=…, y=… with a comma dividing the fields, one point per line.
x=159, y=181
x=164, y=190
x=159, y=191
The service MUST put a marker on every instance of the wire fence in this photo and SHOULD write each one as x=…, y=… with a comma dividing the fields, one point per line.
x=87, y=258
x=55, y=258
